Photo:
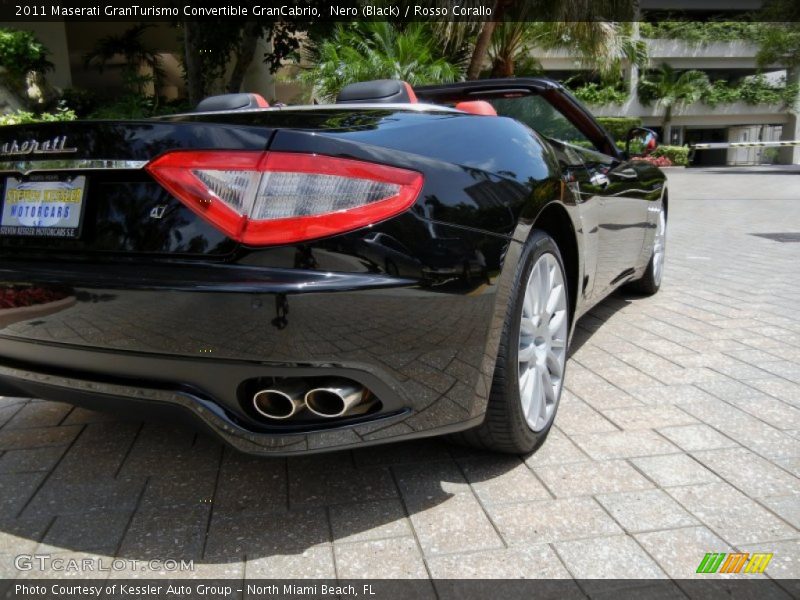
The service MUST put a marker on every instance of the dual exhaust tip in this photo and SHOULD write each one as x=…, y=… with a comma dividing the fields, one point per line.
x=336, y=398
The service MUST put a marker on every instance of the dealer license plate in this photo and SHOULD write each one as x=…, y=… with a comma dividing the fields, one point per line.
x=43, y=207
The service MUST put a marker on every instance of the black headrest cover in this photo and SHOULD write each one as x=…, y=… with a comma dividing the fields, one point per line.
x=227, y=102
x=380, y=90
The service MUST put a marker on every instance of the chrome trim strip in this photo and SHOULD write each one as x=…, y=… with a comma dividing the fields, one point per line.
x=71, y=164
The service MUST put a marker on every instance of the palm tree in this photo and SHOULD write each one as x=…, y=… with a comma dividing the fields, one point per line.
x=671, y=90
x=376, y=50
x=576, y=14
x=603, y=47
x=136, y=53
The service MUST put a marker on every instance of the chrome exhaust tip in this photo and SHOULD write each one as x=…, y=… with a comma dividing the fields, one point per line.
x=335, y=399
x=279, y=403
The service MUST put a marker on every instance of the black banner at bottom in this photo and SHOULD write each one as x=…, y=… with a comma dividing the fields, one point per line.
x=385, y=589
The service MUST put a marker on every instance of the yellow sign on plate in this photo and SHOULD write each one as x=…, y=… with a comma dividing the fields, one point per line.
x=50, y=208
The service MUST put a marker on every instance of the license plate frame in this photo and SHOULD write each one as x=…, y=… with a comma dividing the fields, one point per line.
x=46, y=216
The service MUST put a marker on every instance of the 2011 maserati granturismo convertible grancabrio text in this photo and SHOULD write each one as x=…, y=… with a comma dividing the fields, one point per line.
x=402, y=263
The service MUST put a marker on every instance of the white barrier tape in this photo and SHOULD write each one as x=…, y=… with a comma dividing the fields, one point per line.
x=718, y=145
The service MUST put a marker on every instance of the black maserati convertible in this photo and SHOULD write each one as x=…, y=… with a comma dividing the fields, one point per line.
x=402, y=263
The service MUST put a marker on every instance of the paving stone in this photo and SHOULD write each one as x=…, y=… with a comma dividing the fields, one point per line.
x=697, y=437
x=398, y=558
x=531, y=562
x=263, y=534
x=18, y=489
x=775, y=412
x=63, y=497
x=675, y=469
x=786, y=507
x=39, y=414
x=582, y=479
x=21, y=535
x=250, y=484
x=617, y=557
x=668, y=395
x=166, y=533
x=731, y=514
x=312, y=563
x=502, y=479
x=552, y=521
x=749, y=473
x=325, y=487
x=784, y=563
x=648, y=417
x=646, y=510
x=368, y=521
x=450, y=525
x=575, y=416
x=435, y=479
x=679, y=551
x=417, y=451
x=91, y=533
x=623, y=444
x=11, y=439
x=558, y=450
x=31, y=459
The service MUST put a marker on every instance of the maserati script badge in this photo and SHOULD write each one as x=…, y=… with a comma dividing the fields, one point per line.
x=56, y=145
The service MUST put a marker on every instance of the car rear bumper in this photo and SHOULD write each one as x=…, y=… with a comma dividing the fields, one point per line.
x=154, y=343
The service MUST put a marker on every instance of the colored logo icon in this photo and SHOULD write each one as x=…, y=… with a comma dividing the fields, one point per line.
x=741, y=562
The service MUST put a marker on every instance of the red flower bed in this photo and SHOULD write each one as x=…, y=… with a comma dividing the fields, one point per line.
x=16, y=297
x=658, y=161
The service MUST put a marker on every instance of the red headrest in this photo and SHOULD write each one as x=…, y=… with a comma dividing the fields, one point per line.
x=477, y=107
x=260, y=101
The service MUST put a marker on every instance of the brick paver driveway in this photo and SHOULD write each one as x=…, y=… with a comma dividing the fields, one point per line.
x=678, y=434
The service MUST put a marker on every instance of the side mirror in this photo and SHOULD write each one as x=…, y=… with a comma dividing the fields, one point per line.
x=640, y=142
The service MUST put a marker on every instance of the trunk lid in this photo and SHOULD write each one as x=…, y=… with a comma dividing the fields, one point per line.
x=91, y=174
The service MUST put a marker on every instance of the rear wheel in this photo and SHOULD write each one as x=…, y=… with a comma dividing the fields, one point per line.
x=532, y=357
x=650, y=282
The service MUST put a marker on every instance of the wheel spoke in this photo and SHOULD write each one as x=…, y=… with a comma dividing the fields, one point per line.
x=527, y=327
x=546, y=388
x=554, y=364
x=557, y=321
x=527, y=354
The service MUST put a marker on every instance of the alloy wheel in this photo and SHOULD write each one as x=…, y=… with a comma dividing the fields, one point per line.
x=542, y=350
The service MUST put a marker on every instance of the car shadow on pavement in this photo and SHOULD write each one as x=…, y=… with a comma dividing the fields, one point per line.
x=82, y=484
x=97, y=486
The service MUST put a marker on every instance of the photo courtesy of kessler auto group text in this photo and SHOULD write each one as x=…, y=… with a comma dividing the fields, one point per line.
x=413, y=299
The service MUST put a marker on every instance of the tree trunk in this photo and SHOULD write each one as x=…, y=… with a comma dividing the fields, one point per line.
x=503, y=66
x=481, y=49
x=666, y=126
x=245, y=54
x=195, y=84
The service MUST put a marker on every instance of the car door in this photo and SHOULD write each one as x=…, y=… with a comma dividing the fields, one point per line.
x=614, y=198
x=623, y=218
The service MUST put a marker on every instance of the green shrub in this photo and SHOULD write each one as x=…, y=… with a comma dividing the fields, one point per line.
x=21, y=53
x=22, y=117
x=598, y=95
x=618, y=126
x=702, y=32
x=752, y=90
x=677, y=155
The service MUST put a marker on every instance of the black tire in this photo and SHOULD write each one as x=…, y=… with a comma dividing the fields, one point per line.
x=391, y=268
x=649, y=283
x=504, y=428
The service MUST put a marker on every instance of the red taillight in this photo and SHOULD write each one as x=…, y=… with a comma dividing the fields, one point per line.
x=265, y=198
